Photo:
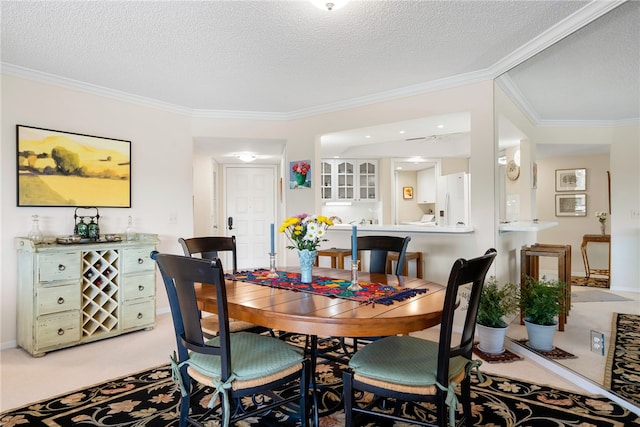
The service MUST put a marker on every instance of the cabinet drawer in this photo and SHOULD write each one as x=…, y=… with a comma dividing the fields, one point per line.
x=138, y=315
x=142, y=286
x=54, y=299
x=57, y=329
x=59, y=266
x=137, y=260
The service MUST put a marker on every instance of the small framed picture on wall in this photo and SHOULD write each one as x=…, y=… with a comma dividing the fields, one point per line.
x=571, y=205
x=571, y=179
x=407, y=192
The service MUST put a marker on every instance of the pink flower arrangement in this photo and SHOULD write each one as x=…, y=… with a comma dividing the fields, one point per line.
x=301, y=168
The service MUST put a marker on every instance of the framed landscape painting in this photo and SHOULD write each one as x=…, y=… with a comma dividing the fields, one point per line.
x=57, y=168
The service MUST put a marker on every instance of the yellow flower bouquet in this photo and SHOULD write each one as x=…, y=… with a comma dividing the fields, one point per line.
x=305, y=231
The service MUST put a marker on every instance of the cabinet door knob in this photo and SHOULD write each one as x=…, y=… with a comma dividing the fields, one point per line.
x=140, y=261
x=60, y=300
x=140, y=288
x=60, y=331
x=61, y=267
x=139, y=315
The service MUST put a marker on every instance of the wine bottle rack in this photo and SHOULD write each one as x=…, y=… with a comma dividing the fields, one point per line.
x=76, y=293
x=100, y=291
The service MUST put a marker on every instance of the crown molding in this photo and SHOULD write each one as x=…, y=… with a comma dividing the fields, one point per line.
x=562, y=29
x=27, y=73
x=512, y=91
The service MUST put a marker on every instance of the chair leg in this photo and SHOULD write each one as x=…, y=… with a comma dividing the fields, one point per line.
x=304, y=388
x=347, y=397
x=465, y=391
x=442, y=410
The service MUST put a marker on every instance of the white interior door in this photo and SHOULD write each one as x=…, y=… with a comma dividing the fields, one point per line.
x=250, y=194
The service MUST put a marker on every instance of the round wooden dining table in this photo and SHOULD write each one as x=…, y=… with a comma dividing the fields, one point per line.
x=321, y=315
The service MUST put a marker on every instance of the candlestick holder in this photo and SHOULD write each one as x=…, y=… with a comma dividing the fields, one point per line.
x=354, y=286
x=272, y=266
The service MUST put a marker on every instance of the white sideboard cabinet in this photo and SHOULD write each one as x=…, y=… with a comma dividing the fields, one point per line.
x=70, y=294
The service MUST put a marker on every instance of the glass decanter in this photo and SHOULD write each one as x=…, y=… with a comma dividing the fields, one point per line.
x=35, y=234
x=130, y=232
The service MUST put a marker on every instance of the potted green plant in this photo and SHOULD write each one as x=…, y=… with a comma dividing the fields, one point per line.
x=540, y=303
x=496, y=303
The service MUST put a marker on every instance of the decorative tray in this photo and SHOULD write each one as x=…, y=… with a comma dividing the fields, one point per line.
x=72, y=241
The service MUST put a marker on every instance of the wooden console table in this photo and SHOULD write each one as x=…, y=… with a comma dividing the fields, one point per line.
x=595, y=238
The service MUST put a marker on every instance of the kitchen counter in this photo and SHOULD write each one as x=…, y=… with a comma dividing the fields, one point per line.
x=526, y=225
x=404, y=228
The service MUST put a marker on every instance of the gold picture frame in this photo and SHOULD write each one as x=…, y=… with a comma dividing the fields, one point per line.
x=66, y=169
x=407, y=192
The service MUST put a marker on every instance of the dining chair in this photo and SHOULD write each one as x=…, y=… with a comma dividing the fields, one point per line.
x=245, y=369
x=410, y=370
x=208, y=247
x=379, y=247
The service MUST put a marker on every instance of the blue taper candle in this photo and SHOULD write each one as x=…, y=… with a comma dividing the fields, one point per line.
x=273, y=250
x=354, y=244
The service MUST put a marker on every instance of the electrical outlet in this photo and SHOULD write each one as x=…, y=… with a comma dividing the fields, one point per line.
x=597, y=342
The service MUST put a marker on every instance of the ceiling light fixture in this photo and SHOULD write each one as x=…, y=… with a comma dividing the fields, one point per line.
x=329, y=5
x=246, y=157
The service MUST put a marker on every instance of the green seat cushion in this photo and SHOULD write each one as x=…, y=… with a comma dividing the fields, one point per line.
x=252, y=356
x=403, y=360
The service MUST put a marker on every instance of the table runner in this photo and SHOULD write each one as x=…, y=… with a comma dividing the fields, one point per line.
x=320, y=285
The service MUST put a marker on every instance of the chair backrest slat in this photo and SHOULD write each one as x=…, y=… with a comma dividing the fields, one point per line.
x=474, y=272
x=209, y=246
x=379, y=247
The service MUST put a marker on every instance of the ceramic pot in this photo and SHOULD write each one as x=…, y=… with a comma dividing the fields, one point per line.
x=491, y=340
x=307, y=259
x=540, y=336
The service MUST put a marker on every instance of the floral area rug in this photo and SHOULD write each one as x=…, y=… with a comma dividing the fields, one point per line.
x=622, y=373
x=370, y=293
x=151, y=398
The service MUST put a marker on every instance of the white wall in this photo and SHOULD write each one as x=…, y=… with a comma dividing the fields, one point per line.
x=571, y=229
x=161, y=172
x=407, y=209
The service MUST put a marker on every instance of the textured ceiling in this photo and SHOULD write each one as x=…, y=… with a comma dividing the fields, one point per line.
x=267, y=56
x=286, y=59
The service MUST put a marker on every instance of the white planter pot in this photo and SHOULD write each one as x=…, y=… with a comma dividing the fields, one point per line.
x=491, y=340
x=540, y=336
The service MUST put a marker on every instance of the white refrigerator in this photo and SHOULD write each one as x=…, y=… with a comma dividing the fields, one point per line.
x=452, y=207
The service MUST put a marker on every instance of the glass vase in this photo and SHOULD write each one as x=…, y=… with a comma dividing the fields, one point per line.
x=307, y=259
x=603, y=227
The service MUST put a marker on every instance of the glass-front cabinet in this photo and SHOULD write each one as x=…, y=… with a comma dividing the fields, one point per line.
x=349, y=179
